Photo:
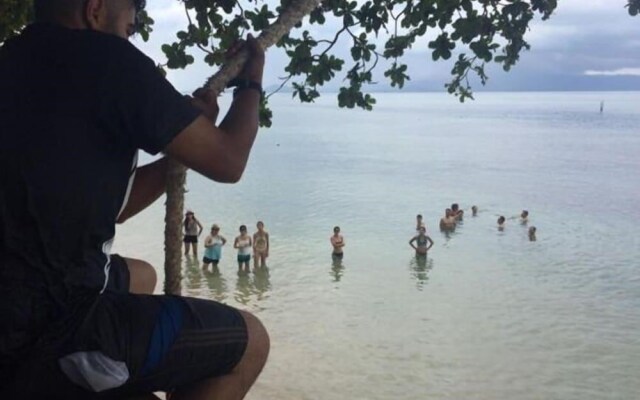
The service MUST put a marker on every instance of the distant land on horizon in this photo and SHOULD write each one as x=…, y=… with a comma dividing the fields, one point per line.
x=556, y=83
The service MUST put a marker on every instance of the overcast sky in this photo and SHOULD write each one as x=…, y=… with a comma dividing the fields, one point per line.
x=586, y=45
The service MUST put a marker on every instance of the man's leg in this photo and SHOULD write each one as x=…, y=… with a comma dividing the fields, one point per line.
x=193, y=348
x=142, y=276
x=235, y=385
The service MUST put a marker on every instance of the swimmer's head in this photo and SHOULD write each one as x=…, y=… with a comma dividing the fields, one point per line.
x=215, y=228
x=423, y=230
x=524, y=214
x=454, y=207
x=260, y=225
x=501, y=220
x=532, y=230
x=474, y=209
x=336, y=229
x=448, y=212
x=419, y=216
x=243, y=229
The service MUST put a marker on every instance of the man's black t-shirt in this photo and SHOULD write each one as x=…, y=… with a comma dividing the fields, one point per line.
x=75, y=107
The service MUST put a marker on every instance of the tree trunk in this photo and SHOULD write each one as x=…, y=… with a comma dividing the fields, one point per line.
x=296, y=11
x=176, y=179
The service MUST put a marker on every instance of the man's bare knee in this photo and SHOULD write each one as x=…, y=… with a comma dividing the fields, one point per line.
x=259, y=343
x=142, y=276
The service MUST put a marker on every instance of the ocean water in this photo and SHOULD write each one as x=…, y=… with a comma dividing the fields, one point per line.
x=489, y=315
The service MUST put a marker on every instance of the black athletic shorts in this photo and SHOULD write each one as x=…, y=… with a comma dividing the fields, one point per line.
x=207, y=260
x=117, y=345
x=190, y=239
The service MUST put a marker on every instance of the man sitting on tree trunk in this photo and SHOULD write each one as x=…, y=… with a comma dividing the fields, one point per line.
x=77, y=102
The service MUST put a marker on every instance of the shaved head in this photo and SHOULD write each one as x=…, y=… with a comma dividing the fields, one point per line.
x=53, y=10
x=118, y=17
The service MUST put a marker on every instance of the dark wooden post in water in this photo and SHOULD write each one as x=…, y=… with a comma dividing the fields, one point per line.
x=177, y=173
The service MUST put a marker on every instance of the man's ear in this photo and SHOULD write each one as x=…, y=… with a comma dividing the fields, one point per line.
x=95, y=14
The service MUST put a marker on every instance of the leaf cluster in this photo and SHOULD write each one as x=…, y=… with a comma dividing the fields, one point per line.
x=477, y=31
x=14, y=15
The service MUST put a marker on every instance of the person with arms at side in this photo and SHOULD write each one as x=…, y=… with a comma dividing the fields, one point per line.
x=260, y=246
x=337, y=241
x=244, y=244
x=422, y=242
x=213, y=248
x=192, y=230
x=524, y=217
x=77, y=103
x=532, y=233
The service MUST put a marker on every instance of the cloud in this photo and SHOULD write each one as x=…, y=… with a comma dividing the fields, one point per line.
x=615, y=72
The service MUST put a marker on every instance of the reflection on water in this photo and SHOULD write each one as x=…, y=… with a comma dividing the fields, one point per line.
x=420, y=265
x=448, y=233
x=251, y=287
x=249, y=284
x=243, y=288
x=337, y=268
x=216, y=283
x=261, y=282
x=192, y=273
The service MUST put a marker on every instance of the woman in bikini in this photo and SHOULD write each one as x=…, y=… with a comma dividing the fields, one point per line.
x=423, y=242
x=260, y=246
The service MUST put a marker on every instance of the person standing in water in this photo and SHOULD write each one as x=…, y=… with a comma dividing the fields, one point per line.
x=524, y=217
x=337, y=241
x=423, y=242
x=243, y=243
x=501, y=221
x=260, y=246
x=474, y=211
x=448, y=222
x=213, y=248
x=532, y=234
x=456, y=212
x=192, y=229
x=419, y=222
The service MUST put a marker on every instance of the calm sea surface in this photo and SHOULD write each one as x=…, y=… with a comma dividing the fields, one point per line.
x=490, y=315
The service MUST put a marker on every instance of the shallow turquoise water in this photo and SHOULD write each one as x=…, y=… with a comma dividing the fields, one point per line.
x=490, y=315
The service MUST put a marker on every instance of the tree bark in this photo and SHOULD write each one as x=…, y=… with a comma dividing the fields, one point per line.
x=296, y=11
x=177, y=174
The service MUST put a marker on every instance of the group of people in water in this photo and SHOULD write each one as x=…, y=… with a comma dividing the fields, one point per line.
x=421, y=243
x=524, y=220
x=247, y=245
x=257, y=245
x=454, y=214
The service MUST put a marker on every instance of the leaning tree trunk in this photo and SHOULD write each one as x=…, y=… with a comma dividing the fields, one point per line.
x=177, y=173
x=176, y=177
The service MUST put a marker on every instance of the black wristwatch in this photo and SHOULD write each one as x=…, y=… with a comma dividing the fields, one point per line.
x=242, y=84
